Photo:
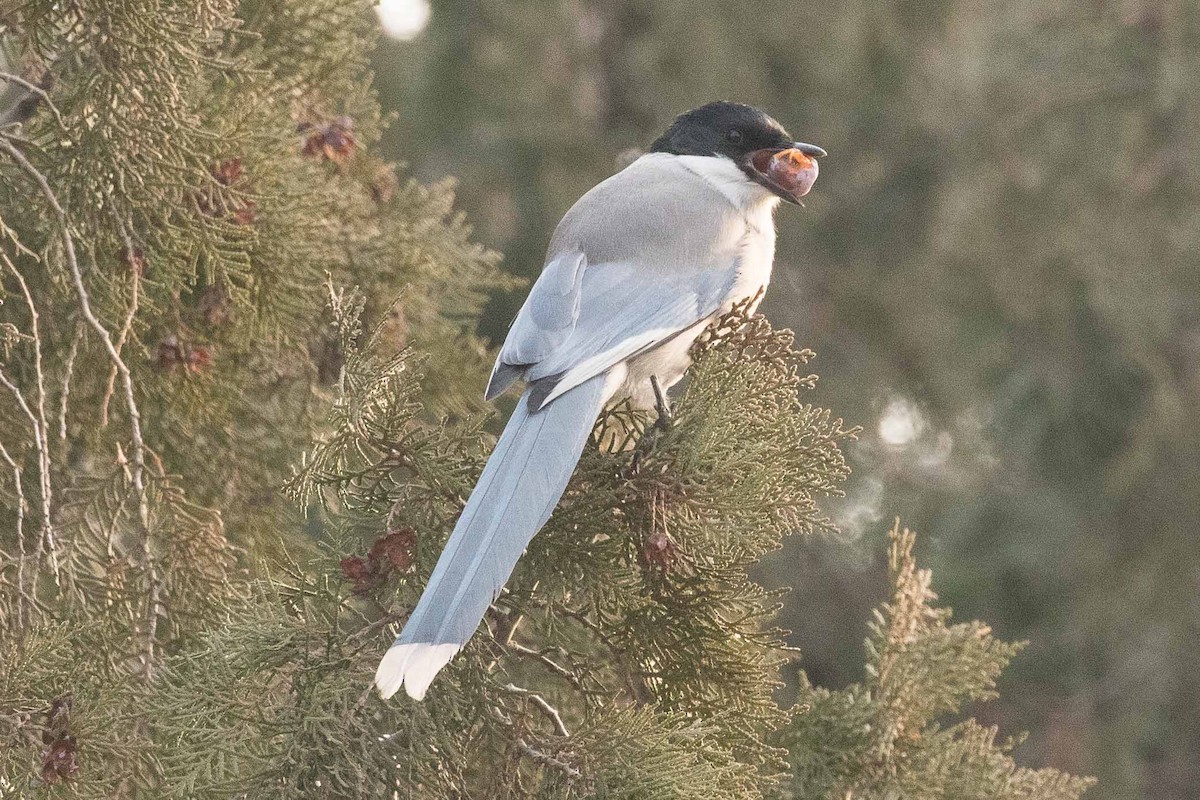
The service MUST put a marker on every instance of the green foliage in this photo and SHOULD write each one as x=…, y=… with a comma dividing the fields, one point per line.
x=170, y=211
x=1003, y=235
x=634, y=596
x=373, y=455
x=176, y=194
x=886, y=738
x=213, y=165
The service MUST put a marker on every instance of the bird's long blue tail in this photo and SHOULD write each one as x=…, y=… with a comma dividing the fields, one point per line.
x=519, y=488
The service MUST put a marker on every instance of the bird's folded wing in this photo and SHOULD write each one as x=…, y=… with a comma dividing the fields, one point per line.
x=622, y=277
x=627, y=314
x=550, y=311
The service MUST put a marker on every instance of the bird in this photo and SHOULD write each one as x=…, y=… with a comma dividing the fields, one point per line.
x=634, y=273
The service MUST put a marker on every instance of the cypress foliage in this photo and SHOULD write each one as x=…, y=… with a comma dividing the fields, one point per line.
x=185, y=188
x=885, y=737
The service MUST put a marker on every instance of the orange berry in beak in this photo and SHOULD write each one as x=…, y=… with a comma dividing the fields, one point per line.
x=793, y=170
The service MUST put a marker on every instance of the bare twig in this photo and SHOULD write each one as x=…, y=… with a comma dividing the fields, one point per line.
x=550, y=711
x=47, y=533
x=20, y=490
x=40, y=428
x=548, y=760
x=68, y=371
x=541, y=702
x=128, y=324
x=135, y=419
x=550, y=663
x=537, y=755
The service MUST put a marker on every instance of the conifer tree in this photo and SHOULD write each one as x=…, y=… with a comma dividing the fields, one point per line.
x=187, y=192
x=960, y=251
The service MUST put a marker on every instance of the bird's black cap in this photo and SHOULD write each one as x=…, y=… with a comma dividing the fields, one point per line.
x=722, y=128
x=749, y=138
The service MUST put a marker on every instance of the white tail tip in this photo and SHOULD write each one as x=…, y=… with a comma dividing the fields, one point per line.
x=413, y=666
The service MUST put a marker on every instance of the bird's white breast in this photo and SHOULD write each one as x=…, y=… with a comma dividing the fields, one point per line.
x=756, y=206
x=757, y=251
x=752, y=234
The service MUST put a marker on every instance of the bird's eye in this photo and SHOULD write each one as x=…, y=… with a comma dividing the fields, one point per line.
x=734, y=135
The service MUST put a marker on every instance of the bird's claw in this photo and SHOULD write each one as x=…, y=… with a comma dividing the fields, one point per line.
x=661, y=424
x=662, y=405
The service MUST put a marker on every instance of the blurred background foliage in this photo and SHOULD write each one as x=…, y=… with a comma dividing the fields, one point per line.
x=997, y=269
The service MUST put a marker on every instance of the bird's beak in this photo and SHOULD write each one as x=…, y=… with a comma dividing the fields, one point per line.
x=789, y=172
x=810, y=149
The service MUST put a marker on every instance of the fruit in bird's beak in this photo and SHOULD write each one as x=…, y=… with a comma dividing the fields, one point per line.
x=793, y=171
x=789, y=172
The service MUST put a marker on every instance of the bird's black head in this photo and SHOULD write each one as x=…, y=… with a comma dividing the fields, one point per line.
x=722, y=128
x=743, y=134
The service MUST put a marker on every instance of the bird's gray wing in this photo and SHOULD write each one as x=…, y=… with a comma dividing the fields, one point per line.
x=645, y=255
x=625, y=314
x=544, y=321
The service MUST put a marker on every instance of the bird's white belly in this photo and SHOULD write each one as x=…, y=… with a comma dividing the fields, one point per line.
x=670, y=360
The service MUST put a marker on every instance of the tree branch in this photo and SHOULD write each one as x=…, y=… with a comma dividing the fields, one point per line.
x=541, y=702
x=537, y=755
x=135, y=419
x=128, y=324
x=68, y=371
x=40, y=428
x=47, y=538
x=550, y=663
x=548, y=760
x=20, y=490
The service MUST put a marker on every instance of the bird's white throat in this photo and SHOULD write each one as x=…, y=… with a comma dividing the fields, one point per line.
x=728, y=179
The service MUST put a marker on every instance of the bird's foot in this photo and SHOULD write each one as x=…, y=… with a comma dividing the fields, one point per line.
x=635, y=463
x=663, y=406
x=661, y=424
